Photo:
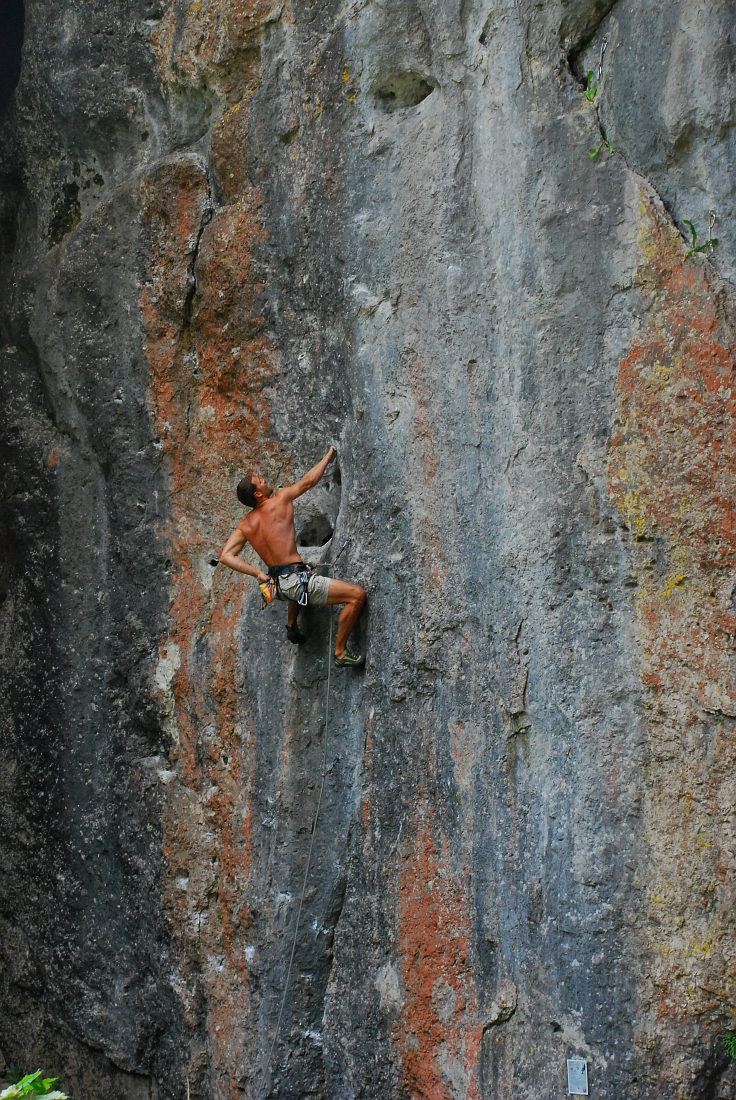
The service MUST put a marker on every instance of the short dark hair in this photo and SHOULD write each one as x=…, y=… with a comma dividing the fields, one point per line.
x=247, y=492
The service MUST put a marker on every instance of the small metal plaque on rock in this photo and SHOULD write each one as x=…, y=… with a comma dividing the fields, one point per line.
x=577, y=1077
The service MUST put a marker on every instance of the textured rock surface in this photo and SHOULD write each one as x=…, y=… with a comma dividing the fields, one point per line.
x=233, y=230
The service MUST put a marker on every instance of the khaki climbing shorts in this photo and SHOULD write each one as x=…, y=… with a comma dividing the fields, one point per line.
x=317, y=589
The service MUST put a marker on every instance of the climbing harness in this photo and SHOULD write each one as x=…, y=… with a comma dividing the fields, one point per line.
x=325, y=772
x=270, y=589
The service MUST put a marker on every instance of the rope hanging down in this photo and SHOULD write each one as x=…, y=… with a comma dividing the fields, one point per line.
x=267, y=1069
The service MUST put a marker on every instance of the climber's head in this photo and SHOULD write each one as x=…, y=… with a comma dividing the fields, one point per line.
x=253, y=490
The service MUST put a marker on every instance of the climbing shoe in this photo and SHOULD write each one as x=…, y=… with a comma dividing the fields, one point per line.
x=350, y=660
x=294, y=634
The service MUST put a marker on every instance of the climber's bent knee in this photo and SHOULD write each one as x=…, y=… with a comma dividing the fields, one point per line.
x=344, y=592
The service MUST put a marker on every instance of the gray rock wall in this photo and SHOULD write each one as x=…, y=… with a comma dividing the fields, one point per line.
x=232, y=232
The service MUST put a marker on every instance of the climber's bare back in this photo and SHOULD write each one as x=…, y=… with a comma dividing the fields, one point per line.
x=270, y=528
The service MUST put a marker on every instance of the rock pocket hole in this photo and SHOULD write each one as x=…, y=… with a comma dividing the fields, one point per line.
x=316, y=532
x=489, y=29
x=402, y=90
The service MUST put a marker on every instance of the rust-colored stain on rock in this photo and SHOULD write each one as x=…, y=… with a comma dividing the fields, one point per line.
x=196, y=438
x=213, y=43
x=210, y=364
x=672, y=475
x=440, y=1036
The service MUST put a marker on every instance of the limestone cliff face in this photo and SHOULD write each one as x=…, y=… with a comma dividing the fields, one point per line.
x=236, y=230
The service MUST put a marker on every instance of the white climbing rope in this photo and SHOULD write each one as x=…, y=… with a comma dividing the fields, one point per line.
x=266, y=1071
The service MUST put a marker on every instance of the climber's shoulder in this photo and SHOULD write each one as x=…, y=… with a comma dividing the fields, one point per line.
x=245, y=526
x=281, y=499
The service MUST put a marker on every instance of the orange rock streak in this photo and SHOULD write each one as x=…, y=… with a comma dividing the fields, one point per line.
x=672, y=475
x=209, y=361
x=441, y=1035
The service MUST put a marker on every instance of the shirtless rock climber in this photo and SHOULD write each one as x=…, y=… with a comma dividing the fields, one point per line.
x=269, y=528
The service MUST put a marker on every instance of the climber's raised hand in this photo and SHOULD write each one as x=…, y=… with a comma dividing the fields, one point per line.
x=310, y=479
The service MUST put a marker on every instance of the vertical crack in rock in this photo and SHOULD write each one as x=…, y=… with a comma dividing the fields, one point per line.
x=192, y=272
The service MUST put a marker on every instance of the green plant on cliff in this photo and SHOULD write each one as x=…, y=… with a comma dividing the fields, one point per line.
x=709, y=244
x=729, y=1042
x=32, y=1085
x=590, y=90
x=604, y=141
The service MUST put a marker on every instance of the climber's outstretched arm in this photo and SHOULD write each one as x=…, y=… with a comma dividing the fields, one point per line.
x=229, y=556
x=310, y=479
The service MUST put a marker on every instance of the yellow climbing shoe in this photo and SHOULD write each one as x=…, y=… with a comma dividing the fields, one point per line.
x=350, y=660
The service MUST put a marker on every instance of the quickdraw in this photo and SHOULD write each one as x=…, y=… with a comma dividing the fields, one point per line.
x=604, y=45
x=303, y=596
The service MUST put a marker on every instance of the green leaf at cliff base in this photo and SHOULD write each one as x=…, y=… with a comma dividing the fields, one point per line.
x=32, y=1085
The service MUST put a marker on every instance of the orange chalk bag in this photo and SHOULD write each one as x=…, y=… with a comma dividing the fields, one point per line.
x=269, y=592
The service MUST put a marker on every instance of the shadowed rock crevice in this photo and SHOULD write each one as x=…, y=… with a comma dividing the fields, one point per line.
x=579, y=28
x=65, y=212
x=400, y=90
x=316, y=531
x=191, y=276
x=11, y=45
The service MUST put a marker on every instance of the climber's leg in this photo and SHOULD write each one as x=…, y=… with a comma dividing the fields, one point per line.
x=293, y=633
x=353, y=598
